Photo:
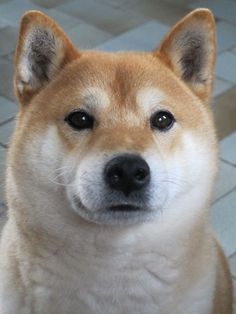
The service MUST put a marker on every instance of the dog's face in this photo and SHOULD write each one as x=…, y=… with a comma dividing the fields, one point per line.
x=124, y=135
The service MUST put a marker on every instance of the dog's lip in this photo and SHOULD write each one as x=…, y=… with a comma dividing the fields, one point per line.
x=116, y=208
x=123, y=208
x=115, y=213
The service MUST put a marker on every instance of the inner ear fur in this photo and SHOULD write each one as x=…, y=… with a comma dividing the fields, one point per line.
x=189, y=50
x=42, y=51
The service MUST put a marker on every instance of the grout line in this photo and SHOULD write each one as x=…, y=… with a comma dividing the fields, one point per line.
x=5, y=57
x=224, y=195
x=227, y=162
x=231, y=82
x=3, y=213
x=231, y=255
x=225, y=81
x=3, y=145
x=6, y=121
x=233, y=50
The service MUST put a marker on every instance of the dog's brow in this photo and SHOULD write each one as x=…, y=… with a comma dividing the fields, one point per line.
x=149, y=98
x=93, y=97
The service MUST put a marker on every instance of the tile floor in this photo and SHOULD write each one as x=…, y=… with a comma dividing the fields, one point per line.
x=137, y=24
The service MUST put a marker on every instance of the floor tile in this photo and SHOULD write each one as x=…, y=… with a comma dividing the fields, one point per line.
x=144, y=37
x=232, y=263
x=48, y=4
x=3, y=217
x=227, y=149
x=2, y=208
x=3, y=153
x=7, y=109
x=10, y=33
x=224, y=111
x=226, y=180
x=108, y=18
x=87, y=36
x=6, y=131
x=226, y=38
x=4, y=1
x=233, y=50
x=234, y=285
x=226, y=65
x=224, y=9
x=3, y=23
x=6, y=78
x=223, y=220
x=164, y=12
x=10, y=57
x=120, y=4
x=181, y=2
x=64, y=20
x=221, y=86
x=13, y=10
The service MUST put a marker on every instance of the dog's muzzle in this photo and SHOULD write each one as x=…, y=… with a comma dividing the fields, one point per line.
x=118, y=192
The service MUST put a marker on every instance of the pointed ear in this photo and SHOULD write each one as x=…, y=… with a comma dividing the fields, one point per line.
x=42, y=51
x=189, y=50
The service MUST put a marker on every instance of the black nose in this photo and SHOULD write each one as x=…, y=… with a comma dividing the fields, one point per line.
x=127, y=173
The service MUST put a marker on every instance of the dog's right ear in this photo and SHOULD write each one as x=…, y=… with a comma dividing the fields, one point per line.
x=42, y=51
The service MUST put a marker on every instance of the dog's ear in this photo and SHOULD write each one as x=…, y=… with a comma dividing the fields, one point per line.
x=189, y=50
x=42, y=51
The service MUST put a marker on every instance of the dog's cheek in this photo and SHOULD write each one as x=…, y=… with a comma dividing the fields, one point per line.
x=199, y=158
x=158, y=188
x=88, y=184
x=191, y=165
x=44, y=157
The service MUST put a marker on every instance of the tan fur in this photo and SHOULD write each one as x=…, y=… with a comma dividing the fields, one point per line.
x=52, y=259
x=223, y=299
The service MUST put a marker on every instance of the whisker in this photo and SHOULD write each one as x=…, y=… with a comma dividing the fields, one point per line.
x=62, y=170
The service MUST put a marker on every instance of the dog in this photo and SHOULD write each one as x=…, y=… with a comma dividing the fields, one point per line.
x=109, y=177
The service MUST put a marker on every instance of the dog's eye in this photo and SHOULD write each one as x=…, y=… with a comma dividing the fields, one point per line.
x=80, y=120
x=162, y=120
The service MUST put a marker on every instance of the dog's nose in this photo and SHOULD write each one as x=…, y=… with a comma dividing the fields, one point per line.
x=127, y=173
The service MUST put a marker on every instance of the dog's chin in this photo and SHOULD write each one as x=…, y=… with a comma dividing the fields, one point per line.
x=120, y=215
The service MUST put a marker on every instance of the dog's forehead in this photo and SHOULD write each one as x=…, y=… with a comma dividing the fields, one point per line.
x=115, y=87
x=94, y=97
x=145, y=99
x=120, y=79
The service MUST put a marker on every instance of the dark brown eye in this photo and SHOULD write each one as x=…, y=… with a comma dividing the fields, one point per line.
x=80, y=120
x=162, y=120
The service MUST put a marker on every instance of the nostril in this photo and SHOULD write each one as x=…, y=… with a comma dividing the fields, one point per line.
x=115, y=174
x=140, y=174
x=115, y=177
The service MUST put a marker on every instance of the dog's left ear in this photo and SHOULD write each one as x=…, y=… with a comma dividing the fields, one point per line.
x=189, y=50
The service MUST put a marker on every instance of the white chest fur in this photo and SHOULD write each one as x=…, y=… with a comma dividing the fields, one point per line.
x=136, y=279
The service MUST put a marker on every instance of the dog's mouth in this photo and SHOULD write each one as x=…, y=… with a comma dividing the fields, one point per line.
x=114, y=214
x=124, y=208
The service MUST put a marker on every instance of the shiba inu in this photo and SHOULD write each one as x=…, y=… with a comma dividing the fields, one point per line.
x=109, y=177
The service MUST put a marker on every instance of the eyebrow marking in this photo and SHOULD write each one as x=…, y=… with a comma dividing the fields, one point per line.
x=149, y=98
x=93, y=97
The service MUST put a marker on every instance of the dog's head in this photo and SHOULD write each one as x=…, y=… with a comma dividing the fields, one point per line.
x=125, y=135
